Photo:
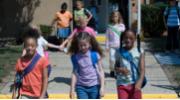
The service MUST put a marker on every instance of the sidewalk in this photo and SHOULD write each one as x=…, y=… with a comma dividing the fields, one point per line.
x=59, y=81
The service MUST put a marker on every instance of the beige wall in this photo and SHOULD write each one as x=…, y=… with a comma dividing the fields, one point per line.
x=17, y=14
x=44, y=14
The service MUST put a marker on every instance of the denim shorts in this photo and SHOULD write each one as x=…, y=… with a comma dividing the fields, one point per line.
x=86, y=92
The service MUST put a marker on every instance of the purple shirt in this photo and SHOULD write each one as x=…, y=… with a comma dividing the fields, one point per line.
x=86, y=74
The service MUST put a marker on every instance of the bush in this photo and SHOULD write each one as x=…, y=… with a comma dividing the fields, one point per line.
x=152, y=19
x=46, y=30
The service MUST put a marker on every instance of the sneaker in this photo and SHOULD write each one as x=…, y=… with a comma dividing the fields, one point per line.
x=112, y=74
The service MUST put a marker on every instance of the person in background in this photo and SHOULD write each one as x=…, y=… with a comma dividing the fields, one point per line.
x=172, y=23
x=63, y=19
x=113, y=33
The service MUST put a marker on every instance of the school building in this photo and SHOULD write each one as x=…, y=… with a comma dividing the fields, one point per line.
x=16, y=14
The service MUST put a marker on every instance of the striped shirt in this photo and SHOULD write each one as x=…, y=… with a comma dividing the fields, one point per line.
x=173, y=19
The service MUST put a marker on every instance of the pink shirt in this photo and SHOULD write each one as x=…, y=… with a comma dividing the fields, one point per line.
x=87, y=29
x=112, y=38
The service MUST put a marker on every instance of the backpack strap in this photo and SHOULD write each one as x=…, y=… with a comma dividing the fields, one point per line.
x=74, y=62
x=30, y=67
x=114, y=30
x=94, y=58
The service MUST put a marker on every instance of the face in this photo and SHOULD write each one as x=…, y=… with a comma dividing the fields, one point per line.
x=84, y=46
x=79, y=5
x=115, y=17
x=129, y=39
x=30, y=46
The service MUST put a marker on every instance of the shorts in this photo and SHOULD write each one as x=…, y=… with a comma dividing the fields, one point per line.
x=85, y=92
x=63, y=32
x=128, y=92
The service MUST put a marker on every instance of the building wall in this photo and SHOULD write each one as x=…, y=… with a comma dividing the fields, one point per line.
x=17, y=14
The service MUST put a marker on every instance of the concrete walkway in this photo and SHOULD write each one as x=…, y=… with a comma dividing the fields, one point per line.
x=59, y=81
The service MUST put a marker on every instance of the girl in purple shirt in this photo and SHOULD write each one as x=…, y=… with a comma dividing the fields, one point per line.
x=87, y=78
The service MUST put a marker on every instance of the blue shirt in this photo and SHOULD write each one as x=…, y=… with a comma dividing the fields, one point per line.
x=173, y=19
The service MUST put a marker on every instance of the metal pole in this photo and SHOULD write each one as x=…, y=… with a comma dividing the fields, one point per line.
x=139, y=26
x=130, y=13
x=139, y=17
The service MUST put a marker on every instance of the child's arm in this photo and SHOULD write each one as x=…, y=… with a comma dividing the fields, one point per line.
x=122, y=27
x=142, y=72
x=68, y=39
x=72, y=88
x=53, y=46
x=119, y=68
x=101, y=74
x=45, y=83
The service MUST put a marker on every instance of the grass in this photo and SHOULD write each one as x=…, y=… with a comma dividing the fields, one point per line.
x=8, y=58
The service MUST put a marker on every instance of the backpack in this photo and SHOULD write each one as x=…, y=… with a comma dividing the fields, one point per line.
x=126, y=55
x=94, y=60
x=168, y=12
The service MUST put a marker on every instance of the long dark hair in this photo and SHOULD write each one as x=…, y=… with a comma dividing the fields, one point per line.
x=74, y=49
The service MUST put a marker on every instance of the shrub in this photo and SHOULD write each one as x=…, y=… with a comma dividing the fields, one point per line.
x=152, y=19
x=46, y=30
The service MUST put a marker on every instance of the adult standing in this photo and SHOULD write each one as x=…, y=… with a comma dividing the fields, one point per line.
x=63, y=19
x=172, y=21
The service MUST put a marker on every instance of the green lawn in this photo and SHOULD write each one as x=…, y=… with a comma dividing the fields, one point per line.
x=8, y=57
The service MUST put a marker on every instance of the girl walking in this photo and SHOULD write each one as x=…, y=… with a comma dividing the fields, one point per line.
x=130, y=68
x=113, y=33
x=31, y=71
x=87, y=78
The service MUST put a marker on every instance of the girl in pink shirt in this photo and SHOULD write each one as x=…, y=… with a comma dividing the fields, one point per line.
x=113, y=33
x=81, y=28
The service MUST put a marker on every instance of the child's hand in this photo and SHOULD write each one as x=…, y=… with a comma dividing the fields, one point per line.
x=102, y=93
x=72, y=94
x=138, y=85
x=122, y=70
x=24, y=52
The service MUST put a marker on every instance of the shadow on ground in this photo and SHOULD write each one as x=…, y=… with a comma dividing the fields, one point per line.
x=170, y=87
x=61, y=80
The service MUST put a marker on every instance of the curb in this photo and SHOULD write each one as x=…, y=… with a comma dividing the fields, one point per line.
x=107, y=96
x=101, y=38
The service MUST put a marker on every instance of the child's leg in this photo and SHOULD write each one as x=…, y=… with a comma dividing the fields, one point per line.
x=81, y=92
x=93, y=92
x=122, y=92
x=112, y=60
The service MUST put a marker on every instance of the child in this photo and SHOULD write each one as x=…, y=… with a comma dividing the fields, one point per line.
x=34, y=82
x=42, y=43
x=81, y=12
x=81, y=28
x=63, y=19
x=113, y=33
x=88, y=76
x=130, y=68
